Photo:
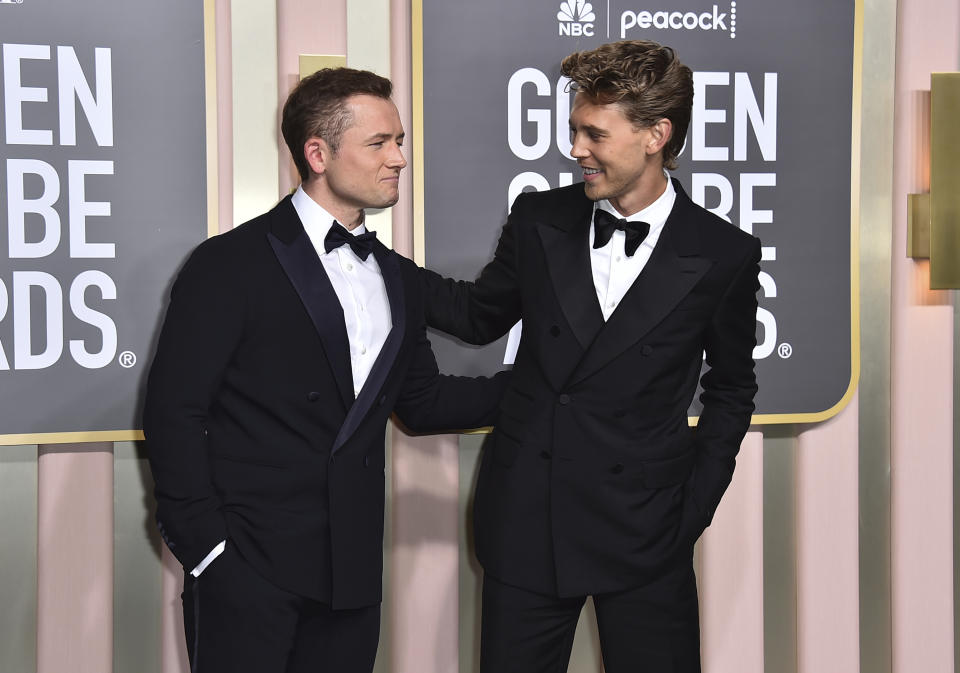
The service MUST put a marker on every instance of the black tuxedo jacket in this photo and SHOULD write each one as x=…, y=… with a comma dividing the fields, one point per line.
x=593, y=481
x=251, y=424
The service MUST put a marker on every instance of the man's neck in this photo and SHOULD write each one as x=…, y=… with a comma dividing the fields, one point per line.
x=349, y=217
x=647, y=190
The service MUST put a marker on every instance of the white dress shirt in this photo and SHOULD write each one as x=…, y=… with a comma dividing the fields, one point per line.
x=613, y=271
x=360, y=288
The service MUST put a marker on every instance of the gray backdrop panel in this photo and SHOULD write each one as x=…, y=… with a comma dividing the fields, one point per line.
x=472, y=49
x=157, y=196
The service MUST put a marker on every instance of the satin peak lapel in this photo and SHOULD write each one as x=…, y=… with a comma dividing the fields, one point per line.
x=393, y=281
x=300, y=262
x=567, y=251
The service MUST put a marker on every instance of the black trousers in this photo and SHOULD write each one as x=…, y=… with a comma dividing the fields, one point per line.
x=654, y=628
x=236, y=621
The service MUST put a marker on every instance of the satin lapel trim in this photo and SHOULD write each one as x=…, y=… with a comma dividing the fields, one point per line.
x=568, y=259
x=392, y=280
x=303, y=267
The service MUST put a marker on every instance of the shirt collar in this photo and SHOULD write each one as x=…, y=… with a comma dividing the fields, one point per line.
x=316, y=220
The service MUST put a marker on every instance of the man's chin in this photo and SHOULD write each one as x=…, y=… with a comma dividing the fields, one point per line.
x=386, y=202
x=593, y=192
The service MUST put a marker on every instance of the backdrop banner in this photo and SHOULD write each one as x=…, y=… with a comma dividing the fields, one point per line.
x=102, y=193
x=769, y=149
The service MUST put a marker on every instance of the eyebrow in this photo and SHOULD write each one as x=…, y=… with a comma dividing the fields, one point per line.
x=379, y=137
x=589, y=129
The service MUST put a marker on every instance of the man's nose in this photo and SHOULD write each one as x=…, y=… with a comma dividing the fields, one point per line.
x=398, y=160
x=578, y=148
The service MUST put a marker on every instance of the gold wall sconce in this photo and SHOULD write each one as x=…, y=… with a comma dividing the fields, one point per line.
x=933, y=219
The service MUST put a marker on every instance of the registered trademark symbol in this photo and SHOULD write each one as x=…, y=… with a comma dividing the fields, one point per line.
x=784, y=350
x=127, y=359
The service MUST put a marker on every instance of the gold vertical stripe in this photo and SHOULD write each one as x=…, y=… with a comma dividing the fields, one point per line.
x=470, y=575
x=18, y=558
x=137, y=603
x=416, y=29
x=875, y=56
x=779, y=549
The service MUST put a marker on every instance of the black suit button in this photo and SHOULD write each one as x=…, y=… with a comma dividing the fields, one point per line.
x=545, y=455
x=383, y=399
x=564, y=399
x=554, y=331
x=646, y=349
x=617, y=469
x=366, y=461
x=313, y=396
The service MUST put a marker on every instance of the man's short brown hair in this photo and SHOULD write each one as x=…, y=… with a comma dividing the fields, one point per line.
x=317, y=108
x=645, y=79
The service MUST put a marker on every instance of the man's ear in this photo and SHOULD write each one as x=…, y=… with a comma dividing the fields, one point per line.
x=660, y=134
x=317, y=153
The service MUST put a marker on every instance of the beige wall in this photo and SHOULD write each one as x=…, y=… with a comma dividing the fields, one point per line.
x=833, y=550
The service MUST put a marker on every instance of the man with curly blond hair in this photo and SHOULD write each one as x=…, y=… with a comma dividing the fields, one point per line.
x=593, y=483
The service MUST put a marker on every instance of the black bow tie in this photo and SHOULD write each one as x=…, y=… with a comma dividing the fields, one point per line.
x=604, y=224
x=362, y=245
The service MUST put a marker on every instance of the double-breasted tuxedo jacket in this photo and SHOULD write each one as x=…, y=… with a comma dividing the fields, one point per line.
x=593, y=480
x=251, y=424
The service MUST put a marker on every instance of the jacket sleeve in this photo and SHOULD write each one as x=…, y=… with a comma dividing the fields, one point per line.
x=433, y=402
x=201, y=329
x=729, y=387
x=482, y=311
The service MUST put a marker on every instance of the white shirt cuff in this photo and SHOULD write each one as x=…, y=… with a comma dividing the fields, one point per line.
x=208, y=559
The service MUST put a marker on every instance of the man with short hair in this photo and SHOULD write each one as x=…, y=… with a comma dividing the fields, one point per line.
x=593, y=484
x=286, y=345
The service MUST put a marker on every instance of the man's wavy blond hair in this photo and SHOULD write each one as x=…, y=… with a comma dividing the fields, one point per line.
x=644, y=78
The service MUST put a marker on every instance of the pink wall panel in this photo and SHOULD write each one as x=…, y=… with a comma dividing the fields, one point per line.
x=922, y=494
x=315, y=27
x=75, y=558
x=828, y=620
x=424, y=580
x=922, y=368
x=731, y=571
